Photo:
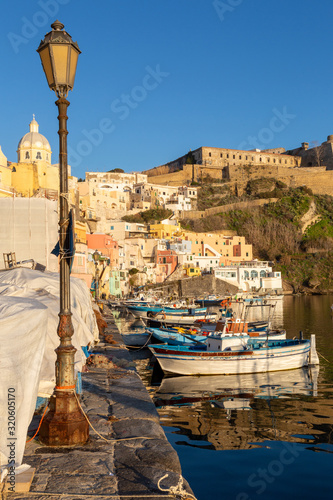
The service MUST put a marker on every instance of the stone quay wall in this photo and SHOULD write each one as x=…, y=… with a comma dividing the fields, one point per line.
x=195, y=287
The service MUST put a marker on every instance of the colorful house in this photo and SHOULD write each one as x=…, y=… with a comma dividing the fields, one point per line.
x=166, y=263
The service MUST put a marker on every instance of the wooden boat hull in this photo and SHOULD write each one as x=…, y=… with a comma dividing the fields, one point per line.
x=280, y=355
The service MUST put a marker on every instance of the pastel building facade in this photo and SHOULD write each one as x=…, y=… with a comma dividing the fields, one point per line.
x=166, y=263
x=105, y=244
x=165, y=230
x=251, y=276
x=231, y=249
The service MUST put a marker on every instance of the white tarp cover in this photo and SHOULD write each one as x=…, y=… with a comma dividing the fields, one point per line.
x=23, y=336
x=29, y=308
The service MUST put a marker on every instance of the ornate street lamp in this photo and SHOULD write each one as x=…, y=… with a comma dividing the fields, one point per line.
x=96, y=259
x=65, y=423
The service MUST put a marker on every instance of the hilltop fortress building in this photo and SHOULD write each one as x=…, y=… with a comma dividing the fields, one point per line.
x=298, y=167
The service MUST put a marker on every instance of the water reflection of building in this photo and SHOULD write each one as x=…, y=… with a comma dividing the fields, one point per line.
x=261, y=311
x=283, y=420
x=241, y=412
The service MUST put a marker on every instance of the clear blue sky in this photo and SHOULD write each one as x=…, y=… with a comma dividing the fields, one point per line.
x=159, y=77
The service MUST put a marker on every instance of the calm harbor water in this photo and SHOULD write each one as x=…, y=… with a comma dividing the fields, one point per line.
x=262, y=436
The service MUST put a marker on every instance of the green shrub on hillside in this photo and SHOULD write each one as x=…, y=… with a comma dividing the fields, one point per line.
x=149, y=216
x=290, y=207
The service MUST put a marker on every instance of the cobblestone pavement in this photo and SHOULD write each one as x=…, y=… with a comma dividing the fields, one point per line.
x=134, y=459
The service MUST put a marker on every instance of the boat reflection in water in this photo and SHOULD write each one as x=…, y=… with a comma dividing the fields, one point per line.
x=182, y=390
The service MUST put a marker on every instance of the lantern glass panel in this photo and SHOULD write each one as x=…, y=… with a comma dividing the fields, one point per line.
x=47, y=65
x=72, y=67
x=60, y=61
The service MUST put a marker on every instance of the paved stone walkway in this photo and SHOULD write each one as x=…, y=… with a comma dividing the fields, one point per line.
x=130, y=464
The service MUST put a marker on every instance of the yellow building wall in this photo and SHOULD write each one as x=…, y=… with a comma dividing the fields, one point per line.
x=80, y=232
x=193, y=271
x=222, y=244
x=164, y=231
x=5, y=181
x=27, y=178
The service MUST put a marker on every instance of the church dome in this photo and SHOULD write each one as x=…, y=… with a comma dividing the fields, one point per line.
x=34, y=146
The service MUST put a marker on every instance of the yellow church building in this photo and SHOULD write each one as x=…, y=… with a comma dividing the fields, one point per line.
x=33, y=173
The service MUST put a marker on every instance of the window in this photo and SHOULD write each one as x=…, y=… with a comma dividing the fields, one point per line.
x=246, y=275
x=240, y=157
x=260, y=159
x=164, y=260
x=254, y=274
x=262, y=274
x=38, y=156
x=209, y=154
x=274, y=160
x=112, y=228
x=27, y=156
x=252, y=158
x=247, y=254
x=221, y=155
x=245, y=157
x=234, y=157
x=227, y=155
x=268, y=160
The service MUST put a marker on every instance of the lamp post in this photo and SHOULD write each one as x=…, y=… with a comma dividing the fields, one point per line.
x=65, y=423
x=96, y=259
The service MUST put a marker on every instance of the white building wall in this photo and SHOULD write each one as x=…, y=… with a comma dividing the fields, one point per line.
x=29, y=227
x=251, y=277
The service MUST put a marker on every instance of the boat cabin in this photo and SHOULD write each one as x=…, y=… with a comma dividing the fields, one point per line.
x=227, y=342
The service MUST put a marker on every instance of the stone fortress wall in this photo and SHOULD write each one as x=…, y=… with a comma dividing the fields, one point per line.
x=272, y=163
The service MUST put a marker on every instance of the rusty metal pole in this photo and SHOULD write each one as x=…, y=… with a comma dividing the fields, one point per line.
x=96, y=282
x=65, y=423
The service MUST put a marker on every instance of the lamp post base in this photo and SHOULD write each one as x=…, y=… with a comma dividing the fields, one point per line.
x=64, y=424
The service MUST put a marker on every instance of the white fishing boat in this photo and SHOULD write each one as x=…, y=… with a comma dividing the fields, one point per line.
x=229, y=354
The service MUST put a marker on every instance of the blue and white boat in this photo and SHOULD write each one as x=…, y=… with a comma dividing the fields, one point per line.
x=172, y=336
x=230, y=354
x=152, y=311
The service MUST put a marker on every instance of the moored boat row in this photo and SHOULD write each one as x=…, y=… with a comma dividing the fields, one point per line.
x=193, y=341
